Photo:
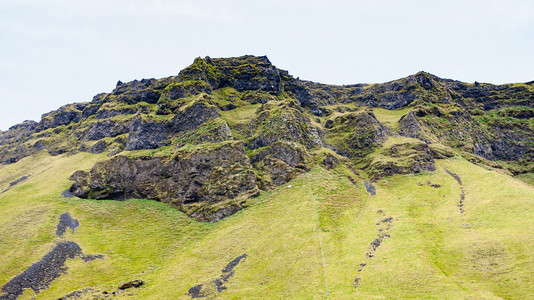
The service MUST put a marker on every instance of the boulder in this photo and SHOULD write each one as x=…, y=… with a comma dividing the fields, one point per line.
x=131, y=284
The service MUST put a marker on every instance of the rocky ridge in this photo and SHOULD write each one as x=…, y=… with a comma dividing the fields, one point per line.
x=221, y=130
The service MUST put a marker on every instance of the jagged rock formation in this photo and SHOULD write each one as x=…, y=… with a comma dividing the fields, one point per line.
x=224, y=127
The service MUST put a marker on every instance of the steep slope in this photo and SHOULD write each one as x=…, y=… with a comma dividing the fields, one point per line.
x=409, y=240
x=268, y=186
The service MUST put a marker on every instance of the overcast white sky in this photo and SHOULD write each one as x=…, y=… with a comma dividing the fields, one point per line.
x=54, y=52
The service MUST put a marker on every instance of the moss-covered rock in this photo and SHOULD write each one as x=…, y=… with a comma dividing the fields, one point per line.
x=63, y=116
x=355, y=135
x=242, y=73
x=196, y=181
x=151, y=132
x=185, y=88
x=400, y=156
x=284, y=120
x=279, y=163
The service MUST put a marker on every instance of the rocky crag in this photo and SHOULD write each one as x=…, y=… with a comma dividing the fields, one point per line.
x=223, y=129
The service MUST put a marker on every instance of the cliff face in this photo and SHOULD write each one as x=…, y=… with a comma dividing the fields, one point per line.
x=224, y=127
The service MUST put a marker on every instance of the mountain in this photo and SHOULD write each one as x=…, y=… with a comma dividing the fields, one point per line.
x=268, y=186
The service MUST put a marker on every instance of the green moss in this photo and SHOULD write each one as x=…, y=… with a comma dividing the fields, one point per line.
x=397, y=155
x=164, y=151
x=212, y=131
x=183, y=89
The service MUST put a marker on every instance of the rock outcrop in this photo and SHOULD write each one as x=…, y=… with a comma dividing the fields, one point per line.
x=402, y=156
x=280, y=163
x=151, y=133
x=206, y=184
x=242, y=73
x=285, y=121
x=355, y=135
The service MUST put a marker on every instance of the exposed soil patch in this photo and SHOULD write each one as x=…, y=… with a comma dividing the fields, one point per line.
x=77, y=294
x=91, y=257
x=370, y=188
x=39, y=276
x=199, y=291
x=12, y=184
x=67, y=194
x=383, y=226
x=455, y=176
x=429, y=183
x=66, y=221
x=89, y=293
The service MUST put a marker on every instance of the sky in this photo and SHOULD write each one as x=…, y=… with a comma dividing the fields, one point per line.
x=55, y=52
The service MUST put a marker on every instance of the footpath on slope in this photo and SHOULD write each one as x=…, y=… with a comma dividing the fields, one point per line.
x=315, y=201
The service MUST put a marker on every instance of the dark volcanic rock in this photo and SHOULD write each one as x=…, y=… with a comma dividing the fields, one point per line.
x=330, y=162
x=280, y=162
x=11, y=142
x=490, y=121
x=63, y=116
x=18, y=132
x=98, y=147
x=410, y=127
x=242, y=73
x=370, y=188
x=145, y=90
x=149, y=133
x=12, y=184
x=105, y=128
x=195, y=181
x=67, y=194
x=105, y=112
x=90, y=110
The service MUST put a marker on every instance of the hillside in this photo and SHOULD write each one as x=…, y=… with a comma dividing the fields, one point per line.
x=268, y=186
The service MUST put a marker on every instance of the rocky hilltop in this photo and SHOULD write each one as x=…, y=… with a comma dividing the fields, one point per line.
x=223, y=129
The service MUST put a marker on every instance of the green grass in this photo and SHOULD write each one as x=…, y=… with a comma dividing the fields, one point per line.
x=240, y=115
x=527, y=177
x=430, y=254
x=390, y=118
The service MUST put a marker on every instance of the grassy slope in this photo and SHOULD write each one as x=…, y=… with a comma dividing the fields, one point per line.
x=430, y=254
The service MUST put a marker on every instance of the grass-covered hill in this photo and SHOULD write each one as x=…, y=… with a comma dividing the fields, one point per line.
x=267, y=186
